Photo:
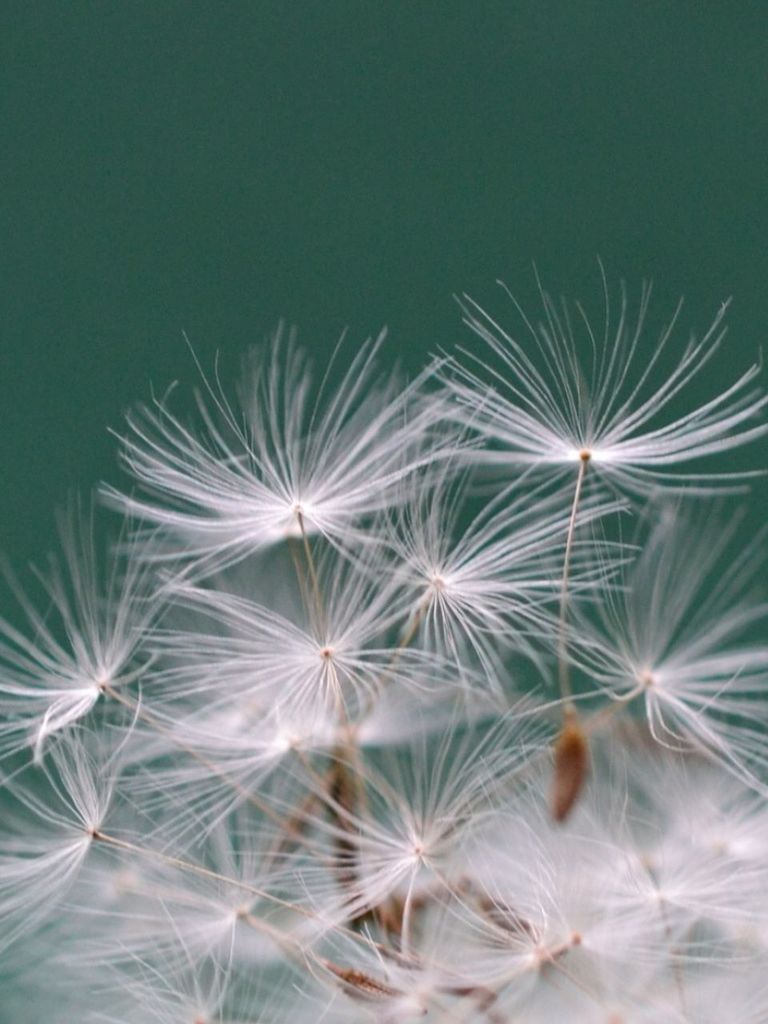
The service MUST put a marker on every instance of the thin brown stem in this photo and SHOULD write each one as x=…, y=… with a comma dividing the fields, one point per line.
x=295, y=550
x=571, y=748
x=319, y=608
x=563, y=664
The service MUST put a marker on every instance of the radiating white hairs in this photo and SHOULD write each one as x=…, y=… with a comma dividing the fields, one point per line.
x=436, y=701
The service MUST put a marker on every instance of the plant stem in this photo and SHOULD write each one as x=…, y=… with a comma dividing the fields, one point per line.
x=313, y=576
x=563, y=666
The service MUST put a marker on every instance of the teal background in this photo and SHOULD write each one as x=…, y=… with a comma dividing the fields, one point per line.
x=213, y=167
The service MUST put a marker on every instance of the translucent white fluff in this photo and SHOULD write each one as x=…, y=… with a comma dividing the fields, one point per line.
x=679, y=639
x=291, y=757
x=570, y=389
x=48, y=834
x=287, y=459
x=84, y=638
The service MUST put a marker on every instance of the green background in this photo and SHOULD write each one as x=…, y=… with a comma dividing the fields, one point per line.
x=211, y=168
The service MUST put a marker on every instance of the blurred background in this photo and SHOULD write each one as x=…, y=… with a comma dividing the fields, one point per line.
x=211, y=168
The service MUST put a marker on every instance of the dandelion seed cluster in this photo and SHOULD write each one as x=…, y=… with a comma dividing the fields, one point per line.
x=389, y=702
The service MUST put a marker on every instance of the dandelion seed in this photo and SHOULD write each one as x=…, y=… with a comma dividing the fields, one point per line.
x=284, y=462
x=53, y=677
x=675, y=639
x=491, y=589
x=542, y=406
x=48, y=836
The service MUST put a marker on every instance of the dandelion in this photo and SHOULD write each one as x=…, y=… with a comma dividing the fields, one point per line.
x=53, y=676
x=282, y=463
x=675, y=640
x=491, y=589
x=543, y=405
x=47, y=838
x=401, y=833
x=547, y=409
x=301, y=666
x=289, y=752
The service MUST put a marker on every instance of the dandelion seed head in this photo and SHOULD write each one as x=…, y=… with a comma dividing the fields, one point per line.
x=296, y=751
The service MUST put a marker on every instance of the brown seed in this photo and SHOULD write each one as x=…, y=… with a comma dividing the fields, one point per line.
x=571, y=767
x=360, y=984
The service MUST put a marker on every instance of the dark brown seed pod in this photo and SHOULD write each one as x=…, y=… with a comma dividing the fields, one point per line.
x=571, y=767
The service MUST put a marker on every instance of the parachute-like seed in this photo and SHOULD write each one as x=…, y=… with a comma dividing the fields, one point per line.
x=576, y=390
